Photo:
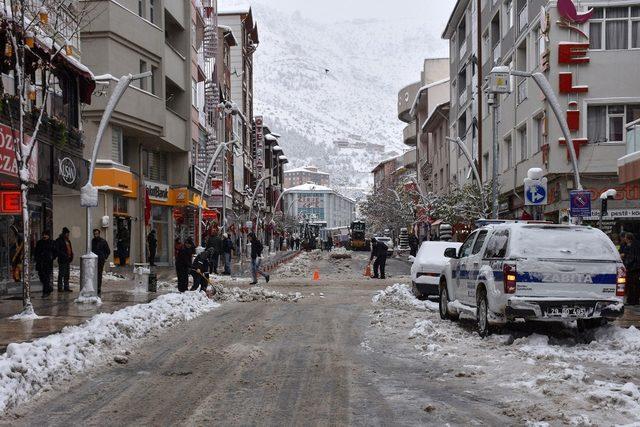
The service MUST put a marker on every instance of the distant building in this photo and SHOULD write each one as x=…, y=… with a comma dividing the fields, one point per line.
x=318, y=203
x=388, y=173
x=307, y=174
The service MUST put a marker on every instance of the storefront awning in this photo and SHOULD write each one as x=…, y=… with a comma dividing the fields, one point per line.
x=116, y=180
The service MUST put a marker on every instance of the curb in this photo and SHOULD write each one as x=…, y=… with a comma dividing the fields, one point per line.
x=271, y=266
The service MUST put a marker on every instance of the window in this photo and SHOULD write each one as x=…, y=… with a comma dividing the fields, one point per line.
x=154, y=80
x=540, y=133
x=479, y=242
x=194, y=93
x=117, y=146
x=524, y=145
x=152, y=10
x=120, y=205
x=509, y=153
x=605, y=123
x=462, y=85
x=465, y=250
x=509, y=15
x=486, y=46
x=143, y=82
x=614, y=28
x=154, y=165
x=462, y=126
x=497, y=246
x=141, y=8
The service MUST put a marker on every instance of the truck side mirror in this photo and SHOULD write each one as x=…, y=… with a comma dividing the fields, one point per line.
x=451, y=253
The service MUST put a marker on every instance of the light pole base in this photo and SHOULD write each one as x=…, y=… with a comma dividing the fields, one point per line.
x=88, y=278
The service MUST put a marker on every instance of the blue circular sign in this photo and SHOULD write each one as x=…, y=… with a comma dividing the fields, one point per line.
x=536, y=194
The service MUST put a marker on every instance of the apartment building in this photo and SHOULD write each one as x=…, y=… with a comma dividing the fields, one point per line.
x=145, y=156
x=391, y=172
x=241, y=22
x=304, y=175
x=319, y=204
x=577, y=59
x=58, y=166
x=437, y=158
x=416, y=103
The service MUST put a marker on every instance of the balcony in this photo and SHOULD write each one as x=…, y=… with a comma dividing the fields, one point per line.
x=174, y=65
x=462, y=99
x=629, y=165
x=175, y=130
x=176, y=10
x=406, y=96
x=409, y=134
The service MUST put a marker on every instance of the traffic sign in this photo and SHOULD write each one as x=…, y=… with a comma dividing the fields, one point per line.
x=580, y=203
x=535, y=192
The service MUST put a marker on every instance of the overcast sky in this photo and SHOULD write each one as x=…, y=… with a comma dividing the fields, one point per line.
x=435, y=12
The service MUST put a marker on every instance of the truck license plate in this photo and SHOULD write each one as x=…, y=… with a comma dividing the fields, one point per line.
x=567, y=311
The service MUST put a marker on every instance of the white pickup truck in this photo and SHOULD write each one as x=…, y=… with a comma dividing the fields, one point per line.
x=533, y=271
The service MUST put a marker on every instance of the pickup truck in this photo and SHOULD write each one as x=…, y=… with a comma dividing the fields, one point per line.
x=519, y=271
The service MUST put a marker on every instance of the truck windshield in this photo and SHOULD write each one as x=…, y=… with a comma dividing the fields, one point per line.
x=563, y=243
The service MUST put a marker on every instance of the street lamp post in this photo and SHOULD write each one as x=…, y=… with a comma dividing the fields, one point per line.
x=604, y=202
x=476, y=174
x=89, y=194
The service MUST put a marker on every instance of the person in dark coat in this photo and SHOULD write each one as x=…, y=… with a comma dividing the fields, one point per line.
x=44, y=254
x=122, y=246
x=256, y=259
x=100, y=247
x=183, y=264
x=152, y=242
x=631, y=261
x=413, y=245
x=199, y=271
x=379, y=252
x=64, y=253
x=215, y=249
x=227, y=247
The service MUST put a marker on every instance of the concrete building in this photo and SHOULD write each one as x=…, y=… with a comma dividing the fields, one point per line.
x=437, y=151
x=319, y=204
x=416, y=103
x=577, y=59
x=306, y=174
x=58, y=167
x=148, y=143
x=241, y=22
x=392, y=172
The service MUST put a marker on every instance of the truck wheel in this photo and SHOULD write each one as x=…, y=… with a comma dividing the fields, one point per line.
x=415, y=291
x=443, y=302
x=482, y=315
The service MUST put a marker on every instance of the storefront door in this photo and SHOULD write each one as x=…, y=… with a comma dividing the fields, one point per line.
x=122, y=239
x=160, y=223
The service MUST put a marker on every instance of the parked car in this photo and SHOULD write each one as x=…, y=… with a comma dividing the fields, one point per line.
x=527, y=271
x=387, y=241
x=428, y=266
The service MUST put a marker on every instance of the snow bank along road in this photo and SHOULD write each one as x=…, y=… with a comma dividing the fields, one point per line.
x=335, y=356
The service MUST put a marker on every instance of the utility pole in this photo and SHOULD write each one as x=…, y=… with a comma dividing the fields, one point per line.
x=479, y=84
x=494, y=175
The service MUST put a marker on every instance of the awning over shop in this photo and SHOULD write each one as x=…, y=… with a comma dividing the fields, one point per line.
x=116, y=180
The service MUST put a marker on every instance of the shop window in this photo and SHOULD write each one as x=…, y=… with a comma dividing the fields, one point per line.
x=120, y=205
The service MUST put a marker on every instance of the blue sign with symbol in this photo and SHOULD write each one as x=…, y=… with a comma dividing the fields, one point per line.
x=580, y=204
x=536, y=194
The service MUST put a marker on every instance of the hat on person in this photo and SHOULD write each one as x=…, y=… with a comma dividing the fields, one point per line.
x=65, y=230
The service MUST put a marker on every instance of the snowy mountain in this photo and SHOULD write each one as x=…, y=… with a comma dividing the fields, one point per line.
x=317, y=82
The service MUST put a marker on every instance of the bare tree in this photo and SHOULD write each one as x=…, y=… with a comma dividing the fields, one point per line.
x=37, y=34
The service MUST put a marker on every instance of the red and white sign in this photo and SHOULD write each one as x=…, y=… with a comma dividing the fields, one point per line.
x=10, y=202
x=8, y=163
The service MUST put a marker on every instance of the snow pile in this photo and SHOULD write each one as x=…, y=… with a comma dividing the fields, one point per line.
x=28, y=368
x=298, y=267
x=257, y=293
x=399, y=296
x=74, y=275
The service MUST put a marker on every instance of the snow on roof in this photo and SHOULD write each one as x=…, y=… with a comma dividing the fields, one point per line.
x=310, y=187
x=232, y=7
x=271, y=137
x=276, y=148
x=436, y=111
x=304, y=169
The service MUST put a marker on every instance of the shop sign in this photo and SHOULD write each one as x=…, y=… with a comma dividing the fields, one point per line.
x=157, y=191
x=68, y=170
x=209, y=215
x=197, y=180
x=10, y=202
x=259, y=158
x=178, y=216
x=614, y=213
x=8, y=163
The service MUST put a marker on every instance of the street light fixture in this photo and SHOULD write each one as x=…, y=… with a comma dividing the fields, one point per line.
x=499, y=82
x=89, y=193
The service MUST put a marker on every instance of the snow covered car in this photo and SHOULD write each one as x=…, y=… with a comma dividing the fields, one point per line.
x=387, y=241
x=526, y=271
x=428, y=266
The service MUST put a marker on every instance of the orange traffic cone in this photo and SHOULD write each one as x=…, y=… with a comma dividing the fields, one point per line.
x=316, y=275
x=367, y=271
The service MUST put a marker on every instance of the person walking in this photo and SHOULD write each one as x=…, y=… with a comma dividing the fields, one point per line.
x=631, y=261
x=297, y=243
x=379, y=252
x=152, y=242
x=413, y=244
x=100, y=247
x=64, y=253
x=227, y=248
x=256, y=259
x=199, y=271
x=183, y=264
x=44, y=254
x=215, y=246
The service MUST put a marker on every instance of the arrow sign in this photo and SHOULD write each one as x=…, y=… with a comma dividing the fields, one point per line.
x=535, y=192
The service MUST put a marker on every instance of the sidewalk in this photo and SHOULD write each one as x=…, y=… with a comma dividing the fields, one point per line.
x=59, y=309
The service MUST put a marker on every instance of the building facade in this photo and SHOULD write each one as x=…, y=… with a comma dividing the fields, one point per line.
x=304, y=175
x=576, y=58
x=319, y=204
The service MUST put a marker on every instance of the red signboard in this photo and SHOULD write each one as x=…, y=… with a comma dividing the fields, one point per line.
x=10, y=202
x=208, y=215
x=8, y=163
